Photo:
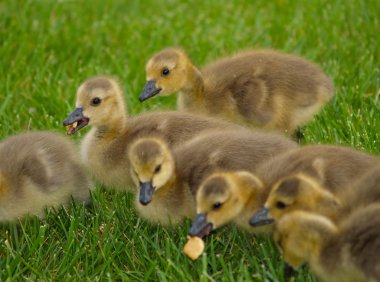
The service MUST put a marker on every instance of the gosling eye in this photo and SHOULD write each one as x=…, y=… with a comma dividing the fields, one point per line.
x=281, y=205
x=157, y=169
x=216, y=206
x=165, y=72
x=96, y=101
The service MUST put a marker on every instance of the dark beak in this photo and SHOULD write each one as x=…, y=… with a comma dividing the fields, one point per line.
x=261, y=218
x=75, y=121
x=149, y=90
x=146, y=192
x=76, y=115
x=200, y=227
x=289, y=271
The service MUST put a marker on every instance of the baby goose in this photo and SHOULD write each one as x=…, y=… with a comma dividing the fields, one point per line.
x=163, y=198
x=169, y=178
x=39, y=170
x=100, y=104
x=262, y=88
x=313, y=178
x=228, y=197
x=345, y=252
x=299, y=191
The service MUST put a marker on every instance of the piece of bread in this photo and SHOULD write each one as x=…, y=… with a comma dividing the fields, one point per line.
x=194, y=247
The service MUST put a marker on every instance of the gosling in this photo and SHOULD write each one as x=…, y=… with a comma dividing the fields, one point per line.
x=314, y=178
x=226, y=197
x=168, y=178
x=104, y=149
x=262, y=88
x=345, y=252
x=39, y=170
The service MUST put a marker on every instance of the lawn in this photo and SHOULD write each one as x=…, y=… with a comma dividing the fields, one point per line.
x=47, y=48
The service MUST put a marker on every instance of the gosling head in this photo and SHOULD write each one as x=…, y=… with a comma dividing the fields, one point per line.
x=296, y=192
x=152, y=166
x=99, y=102
x=221, y=198
x=300, y=236
x=166, y=72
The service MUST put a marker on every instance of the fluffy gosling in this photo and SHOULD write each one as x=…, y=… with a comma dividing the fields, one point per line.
x=39, y=170
x=168, y=178
x=263, y=88
x=104, y=149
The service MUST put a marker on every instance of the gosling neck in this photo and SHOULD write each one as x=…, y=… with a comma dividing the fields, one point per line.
x=192, y=94
x=331, y=207
x=3, y=185
x=254, y=201
x=325, y=248
x=114, y=127
x=242, y=219
x=170, y=187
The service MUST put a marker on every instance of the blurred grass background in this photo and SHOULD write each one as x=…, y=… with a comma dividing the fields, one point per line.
x=47, y=48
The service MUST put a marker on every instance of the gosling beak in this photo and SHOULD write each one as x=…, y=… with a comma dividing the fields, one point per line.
x=149, y=90
x=146, y=192
x=261, y=218
x=289, y=271
x=75, y=121
x=200, y=226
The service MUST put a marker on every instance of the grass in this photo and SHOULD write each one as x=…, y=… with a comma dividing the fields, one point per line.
x=48, y=47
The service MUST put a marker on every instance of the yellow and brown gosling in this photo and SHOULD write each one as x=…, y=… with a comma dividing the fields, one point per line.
x=162, y=197
x=39, y=170
x=104, y=149
x=313, y=178
x=168, y=177
x=348, y=251
x=226, y=197
x=262, y=88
